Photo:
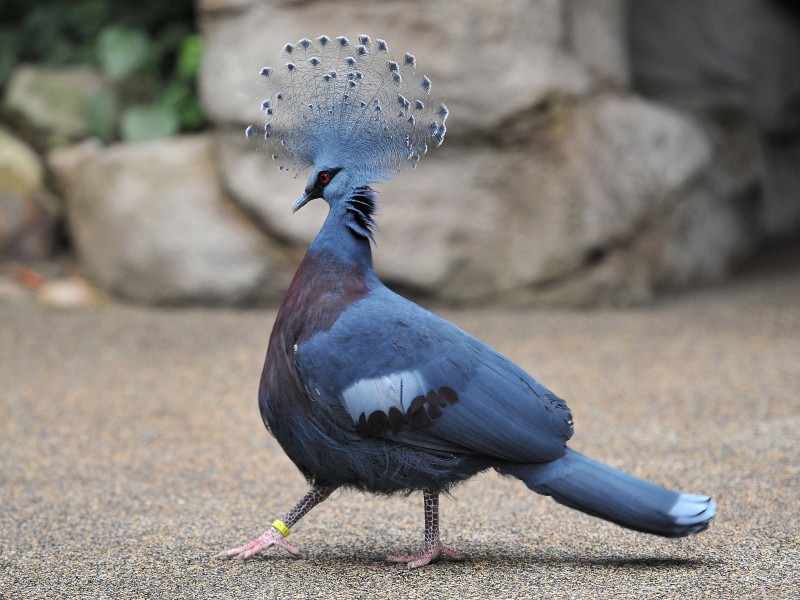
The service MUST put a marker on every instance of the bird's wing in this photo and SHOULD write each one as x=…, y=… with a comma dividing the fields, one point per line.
x=388, y=368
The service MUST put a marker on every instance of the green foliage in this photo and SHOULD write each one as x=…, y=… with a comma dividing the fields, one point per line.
x=190, y=56
x=144, y=123
x=102, y=114
x=122, y=52
x=148, y=51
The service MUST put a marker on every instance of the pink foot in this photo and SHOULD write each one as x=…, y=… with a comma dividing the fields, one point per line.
x=271, y=537
x=420, y=559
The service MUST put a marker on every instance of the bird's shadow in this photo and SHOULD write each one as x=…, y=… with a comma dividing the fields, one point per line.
x=515, y=561
x=638, y=563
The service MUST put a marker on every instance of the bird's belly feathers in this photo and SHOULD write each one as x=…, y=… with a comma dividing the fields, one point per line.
x=328, y=455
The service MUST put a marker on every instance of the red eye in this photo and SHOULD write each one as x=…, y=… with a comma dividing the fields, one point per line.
x=324, y=178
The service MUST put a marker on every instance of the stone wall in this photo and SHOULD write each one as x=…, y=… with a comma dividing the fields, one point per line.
x=736, y=66
x=556, y=183
x=597, y=151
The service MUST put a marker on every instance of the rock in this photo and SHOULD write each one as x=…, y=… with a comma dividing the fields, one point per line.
x=722, y=58
x=736, y=64
x=20, y=166
x=489, y=61
x=52, y=103
x=439, y=227
x=510, y=225
x=597, y=34
x=417, y=247
x=629, y=157
x=706, y=236
x=27, y=214
x=151, y=224
x=481, y=225
x=583, y=213
x=265, y=193
x=779, y=214
x=68, y=292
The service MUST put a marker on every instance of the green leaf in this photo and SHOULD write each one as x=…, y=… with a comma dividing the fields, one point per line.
x=176, y=94
x=192, y=116
x=190, y=56
x=101, y=114
x=181, y=97
x=143, y=123
x=122, y=51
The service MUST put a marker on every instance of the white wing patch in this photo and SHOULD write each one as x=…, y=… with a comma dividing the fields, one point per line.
x=382, y=393
x=394, y=401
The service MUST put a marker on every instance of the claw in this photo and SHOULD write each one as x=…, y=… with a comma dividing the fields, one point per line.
x=271, y=537
x=425, y=557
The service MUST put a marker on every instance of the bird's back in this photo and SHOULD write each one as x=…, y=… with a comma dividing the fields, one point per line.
x=402, y=373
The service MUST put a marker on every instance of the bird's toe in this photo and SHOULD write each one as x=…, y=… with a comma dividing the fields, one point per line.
x=269, y=538
x=426, y=557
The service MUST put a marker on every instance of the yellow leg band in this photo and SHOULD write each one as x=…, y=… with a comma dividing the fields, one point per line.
x=281, y=526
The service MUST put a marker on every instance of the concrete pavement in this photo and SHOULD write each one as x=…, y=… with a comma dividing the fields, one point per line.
x=131, y=451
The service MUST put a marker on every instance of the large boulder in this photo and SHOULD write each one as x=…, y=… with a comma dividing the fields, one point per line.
x=597, y=34
x=518, y=225
x=736, y=64
x=265, y=193
x=52, y=104
x=151, y=224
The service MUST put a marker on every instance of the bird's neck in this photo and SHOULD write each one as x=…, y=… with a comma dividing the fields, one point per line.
x=346, y=235
x=336, y=271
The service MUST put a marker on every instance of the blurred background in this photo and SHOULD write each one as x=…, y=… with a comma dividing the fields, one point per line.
x=599, y=152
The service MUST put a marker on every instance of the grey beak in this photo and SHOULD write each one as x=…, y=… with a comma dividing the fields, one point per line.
x=301, y=201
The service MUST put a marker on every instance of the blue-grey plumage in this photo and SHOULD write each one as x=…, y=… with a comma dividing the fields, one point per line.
x=401, y=373
x=363, y=388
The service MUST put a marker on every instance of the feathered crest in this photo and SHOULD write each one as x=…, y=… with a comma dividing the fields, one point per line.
x=348, y=105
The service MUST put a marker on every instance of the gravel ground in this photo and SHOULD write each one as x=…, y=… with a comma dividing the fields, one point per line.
x=131, y=451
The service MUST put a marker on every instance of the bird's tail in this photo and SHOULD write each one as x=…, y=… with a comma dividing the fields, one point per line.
x=601, y=491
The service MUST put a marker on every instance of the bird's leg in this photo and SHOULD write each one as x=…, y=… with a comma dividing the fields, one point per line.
x=433, y=546
x=276, y=535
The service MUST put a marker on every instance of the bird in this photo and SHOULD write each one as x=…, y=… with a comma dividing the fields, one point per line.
x=361, y=387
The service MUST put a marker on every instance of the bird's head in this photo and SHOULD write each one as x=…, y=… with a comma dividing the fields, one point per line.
x=347, y=192
x=330, y=183
x=355, y=113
